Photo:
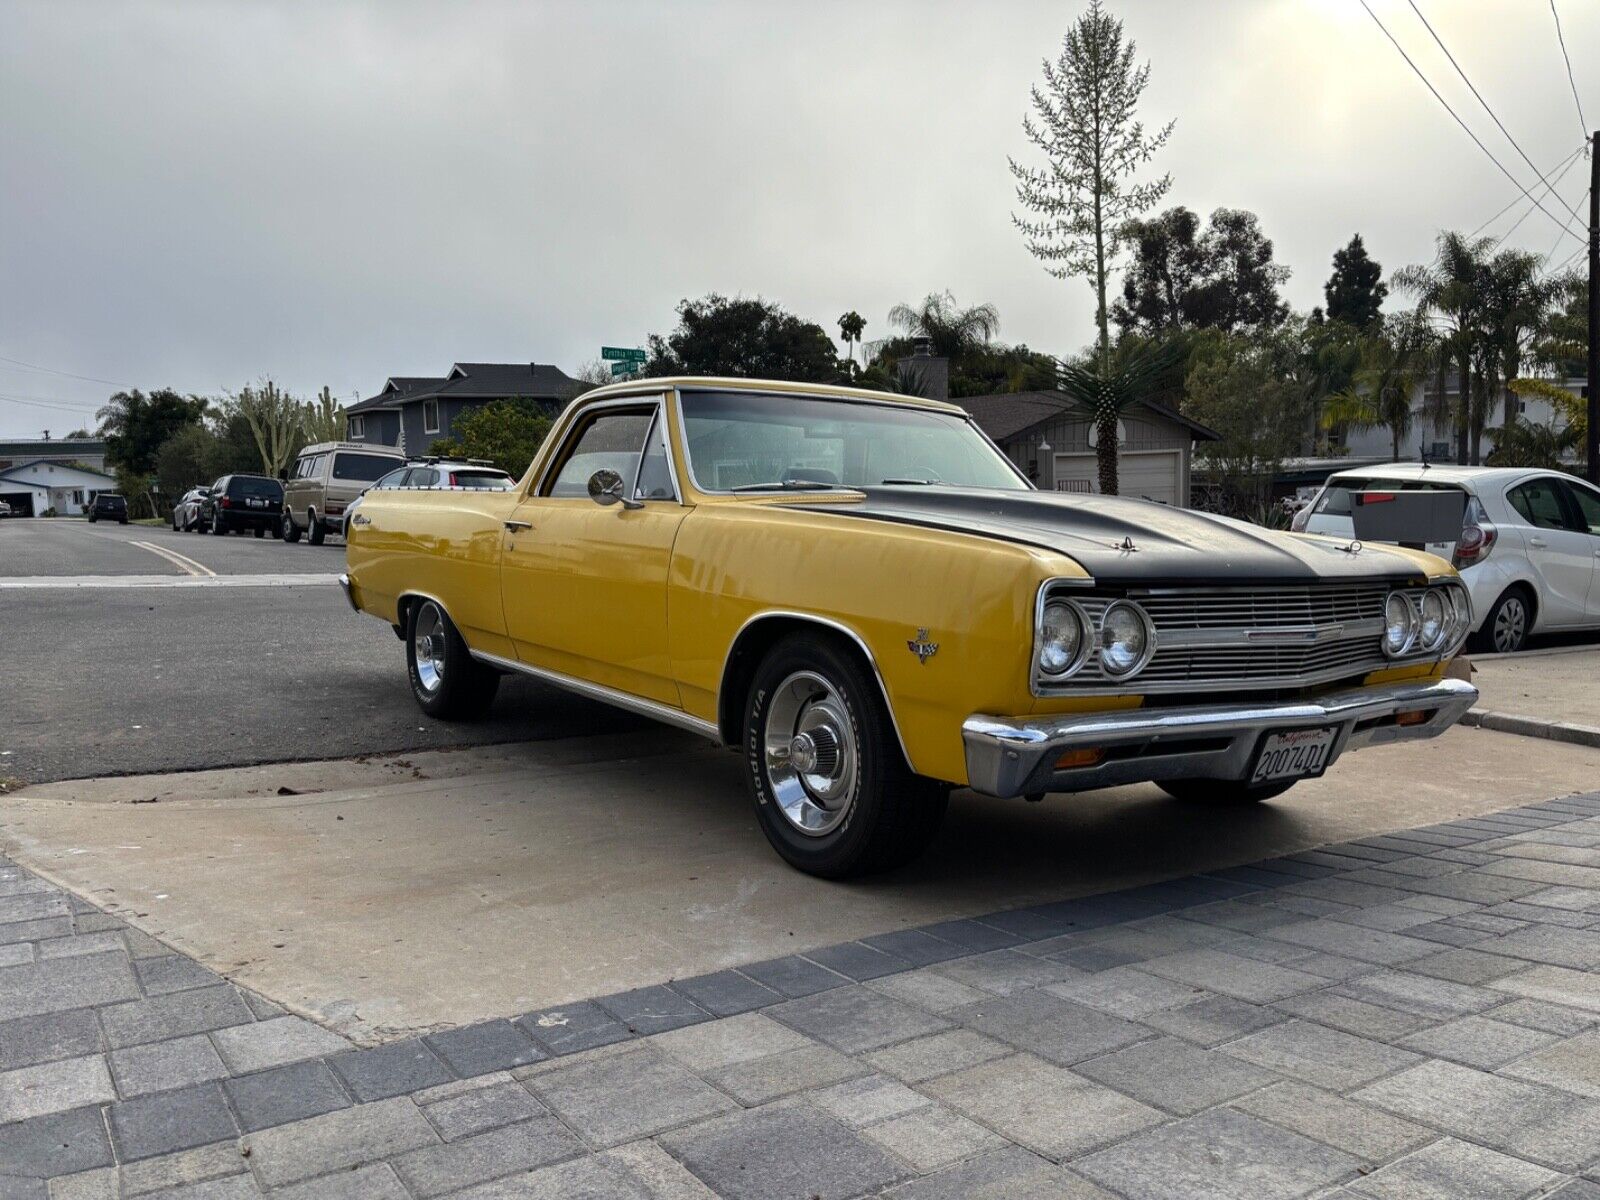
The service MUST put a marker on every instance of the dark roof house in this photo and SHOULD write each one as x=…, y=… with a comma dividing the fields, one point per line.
x=413, y=411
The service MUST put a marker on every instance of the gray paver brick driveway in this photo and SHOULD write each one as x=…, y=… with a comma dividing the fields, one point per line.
x=1416, y=1014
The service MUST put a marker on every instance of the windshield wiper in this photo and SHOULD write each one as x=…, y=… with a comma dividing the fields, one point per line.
x=791, y=485
x=906, y=482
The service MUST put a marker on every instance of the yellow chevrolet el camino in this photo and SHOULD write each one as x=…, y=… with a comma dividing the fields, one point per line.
x=861, y=593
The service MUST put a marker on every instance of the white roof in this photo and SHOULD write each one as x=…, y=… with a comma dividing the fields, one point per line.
x=1444, y=473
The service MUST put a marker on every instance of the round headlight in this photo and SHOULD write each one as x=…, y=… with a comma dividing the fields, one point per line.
x=1125, y=639
x=1399, y=625
x=1461, y=614
x=1436, y=620
x=1062, y=638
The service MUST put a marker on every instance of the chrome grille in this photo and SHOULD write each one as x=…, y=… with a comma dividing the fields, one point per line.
x=1261, y=637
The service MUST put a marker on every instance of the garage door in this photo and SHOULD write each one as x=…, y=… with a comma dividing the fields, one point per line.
x=1143, y=474
x=21, y=503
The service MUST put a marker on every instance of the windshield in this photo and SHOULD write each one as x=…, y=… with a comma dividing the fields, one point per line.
x=742, y=440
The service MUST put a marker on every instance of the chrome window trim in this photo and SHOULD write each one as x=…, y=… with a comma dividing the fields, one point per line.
x=1043, y=686
x=964, y=417
x=658, y=428
x=642, y=401
x=653, y=709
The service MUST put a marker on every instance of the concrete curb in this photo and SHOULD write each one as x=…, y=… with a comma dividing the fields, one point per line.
x=1555, y=731
x=1542, y=652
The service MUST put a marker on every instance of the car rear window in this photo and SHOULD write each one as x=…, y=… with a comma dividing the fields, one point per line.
x=363, y=468
x=1335, y=498
x=259, y=489
x=491, y=481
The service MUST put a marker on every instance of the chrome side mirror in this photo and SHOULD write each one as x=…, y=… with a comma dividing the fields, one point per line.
x=605, y=487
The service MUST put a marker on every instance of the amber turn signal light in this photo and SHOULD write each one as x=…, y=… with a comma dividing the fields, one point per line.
x=1079, y=758
x=1410, y=718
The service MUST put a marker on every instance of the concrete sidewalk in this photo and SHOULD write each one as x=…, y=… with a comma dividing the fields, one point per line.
x=1552, y=694
x=1415, y=1014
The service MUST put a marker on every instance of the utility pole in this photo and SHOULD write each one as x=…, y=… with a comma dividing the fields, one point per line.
x=1593, y=446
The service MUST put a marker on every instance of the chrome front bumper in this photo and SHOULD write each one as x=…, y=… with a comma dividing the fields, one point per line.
x=1015, y=756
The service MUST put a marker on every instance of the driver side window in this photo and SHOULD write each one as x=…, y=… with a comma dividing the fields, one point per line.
x=1588, y=503
x=611, y=440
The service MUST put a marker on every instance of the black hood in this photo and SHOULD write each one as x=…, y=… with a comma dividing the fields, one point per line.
x=1168, y=545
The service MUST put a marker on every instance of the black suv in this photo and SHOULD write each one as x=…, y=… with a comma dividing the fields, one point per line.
x=108, y=507
x=239, y=502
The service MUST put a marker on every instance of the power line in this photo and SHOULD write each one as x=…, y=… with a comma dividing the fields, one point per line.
x=1467, y=128
x=1527, y=212
x=64, y=406
x=68, y=374
x=1492, y=115
x=1573, y=83
x=1565, y=165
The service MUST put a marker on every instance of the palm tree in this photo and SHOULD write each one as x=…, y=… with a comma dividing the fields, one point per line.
x=1106, y=393
x=1517, y=300
x=953, y=330
x=1393, y=362
x=851, y=326
x=1451, y=290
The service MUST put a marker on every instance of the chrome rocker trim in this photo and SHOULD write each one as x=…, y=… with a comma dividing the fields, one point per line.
x=1015, y=756
x=595, y=691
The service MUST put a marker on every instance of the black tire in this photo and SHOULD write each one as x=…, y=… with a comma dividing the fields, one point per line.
x=122, y=520
x=1221, y=791
x=218, y=529
x=459, y=687
x=1505, y=629
x=91, y=518
x=885, y=816
x=259, y=531
x=316, y=531
x=174, y=520
x=288, y=530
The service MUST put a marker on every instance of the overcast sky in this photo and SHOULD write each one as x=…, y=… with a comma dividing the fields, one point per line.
x=197, y=194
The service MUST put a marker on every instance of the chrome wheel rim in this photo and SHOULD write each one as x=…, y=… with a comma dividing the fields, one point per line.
x=1510, y=624
x=428, y=648
x=810, y=753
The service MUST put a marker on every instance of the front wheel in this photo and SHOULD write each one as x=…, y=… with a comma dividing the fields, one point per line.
x=289, y=530
x=315, y=530
x=446, y=680
x=832, y=789
x=1222, y=791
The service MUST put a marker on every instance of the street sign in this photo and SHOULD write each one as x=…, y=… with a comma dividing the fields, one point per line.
x=622, y=354
x=625, y=368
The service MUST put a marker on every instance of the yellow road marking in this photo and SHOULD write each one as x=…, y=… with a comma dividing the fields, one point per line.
x=186, y=564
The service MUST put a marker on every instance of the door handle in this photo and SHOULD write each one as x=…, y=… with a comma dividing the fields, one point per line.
x=1537, y=541
x=516, y=526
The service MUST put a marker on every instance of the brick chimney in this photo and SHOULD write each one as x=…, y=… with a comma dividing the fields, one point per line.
x=929, y=372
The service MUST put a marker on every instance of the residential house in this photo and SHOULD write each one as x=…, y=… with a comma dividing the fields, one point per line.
x=414, y=411
x=88, y=452
x=32, y=488
x=1051, y=442
x=1433, y=438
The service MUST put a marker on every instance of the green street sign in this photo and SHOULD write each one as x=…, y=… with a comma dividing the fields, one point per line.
x=625, y=368
x=622, y=354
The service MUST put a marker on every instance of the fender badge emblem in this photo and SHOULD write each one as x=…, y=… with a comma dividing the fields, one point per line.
x=921, y=646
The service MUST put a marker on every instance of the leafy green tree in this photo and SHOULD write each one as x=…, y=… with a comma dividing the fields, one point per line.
x=1540, y=445
x=135, y=424
x=1085, y=121
x=952, y=330
x=1395, y=359
x=1563, y=343
x=744, y=338
x=507, y=433
x=1355, y=291
x=1516, y=307
x=186, y=460
x=1244, y=388
x=1184, y=277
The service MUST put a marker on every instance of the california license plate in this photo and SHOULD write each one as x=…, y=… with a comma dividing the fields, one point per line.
x=1293, y=754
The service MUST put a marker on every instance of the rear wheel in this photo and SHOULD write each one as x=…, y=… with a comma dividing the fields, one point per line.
x=315, y=531
x=831, y=786
x=1505, y=631
x=259, y=532
x=217, y=527
x=1221, y=791
x=446, y=680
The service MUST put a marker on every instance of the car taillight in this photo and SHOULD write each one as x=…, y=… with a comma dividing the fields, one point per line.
x=452, y=479
x=1478, y=536
x=227, y=502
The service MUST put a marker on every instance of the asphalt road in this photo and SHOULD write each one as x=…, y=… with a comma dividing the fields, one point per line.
x=116, y=676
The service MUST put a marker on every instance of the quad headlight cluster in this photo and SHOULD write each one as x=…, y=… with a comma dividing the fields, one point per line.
x=1123, y=639
x=1433, y=620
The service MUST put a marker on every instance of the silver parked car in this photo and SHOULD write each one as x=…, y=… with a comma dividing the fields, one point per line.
x=1529, y=548
x=186, y=512
x=435, y=474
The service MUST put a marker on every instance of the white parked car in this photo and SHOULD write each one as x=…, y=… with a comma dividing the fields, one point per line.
x=1529, y=549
